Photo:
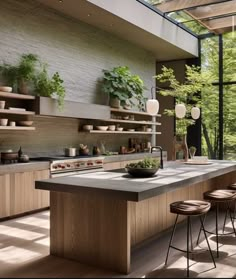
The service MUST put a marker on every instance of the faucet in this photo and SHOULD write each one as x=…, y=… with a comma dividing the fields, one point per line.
x=161, y=160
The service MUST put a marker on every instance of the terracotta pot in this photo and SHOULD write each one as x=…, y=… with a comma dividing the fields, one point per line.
x=114, y=102
x=23, y=87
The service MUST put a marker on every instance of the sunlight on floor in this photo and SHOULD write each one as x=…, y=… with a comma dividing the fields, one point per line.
x=19, y=233
x=34, y=220
x=16, y=255
x=45, y=241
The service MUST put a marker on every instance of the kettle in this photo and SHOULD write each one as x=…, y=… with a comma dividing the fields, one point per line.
x=70, y=152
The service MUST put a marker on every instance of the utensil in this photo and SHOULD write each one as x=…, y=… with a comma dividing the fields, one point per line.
x=70, y=152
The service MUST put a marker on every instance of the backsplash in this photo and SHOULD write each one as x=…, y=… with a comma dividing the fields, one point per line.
x=52, y=135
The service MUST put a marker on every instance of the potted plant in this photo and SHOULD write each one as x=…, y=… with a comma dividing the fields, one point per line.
x=19, y=76
x=122, y=86
x=49, y=87
x=192, y=151
x=186, y=93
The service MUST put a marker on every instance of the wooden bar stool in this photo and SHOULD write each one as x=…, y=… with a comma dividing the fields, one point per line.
x=217, y=197
x=189, y=208
x=230, y=187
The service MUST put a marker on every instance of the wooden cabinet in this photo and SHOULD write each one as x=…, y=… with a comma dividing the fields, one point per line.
x=18, y=194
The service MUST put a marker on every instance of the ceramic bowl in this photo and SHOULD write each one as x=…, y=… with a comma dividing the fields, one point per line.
x=141, y=172
x=120, y=129
x=25, y=123
x=111, y=127
x=88, y=127
x=102, y=128
x=6, y=88
x=149, y=130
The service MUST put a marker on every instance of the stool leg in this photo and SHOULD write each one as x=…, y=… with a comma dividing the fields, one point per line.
x=217, y=234
x=234, y=210
x=226, y=215
x=198, y=238
x=191, y=237
x=171, y=238
x=203, y=228
x=231, y=218
x=188, y=230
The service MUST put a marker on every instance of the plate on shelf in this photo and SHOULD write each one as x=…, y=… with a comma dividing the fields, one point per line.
x=21, y=109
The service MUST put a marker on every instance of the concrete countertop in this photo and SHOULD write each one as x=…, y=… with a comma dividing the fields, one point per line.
x=118, y=184
x=23, y=167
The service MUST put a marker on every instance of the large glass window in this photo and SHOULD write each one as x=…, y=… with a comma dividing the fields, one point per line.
x=229, y=122
x=210, y=123
x=229, y=57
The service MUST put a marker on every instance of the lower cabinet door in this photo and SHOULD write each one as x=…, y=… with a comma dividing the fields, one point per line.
x=4, y=195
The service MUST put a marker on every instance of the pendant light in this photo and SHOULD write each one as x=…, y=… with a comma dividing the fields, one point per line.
x=152, y=105
x=180, y=110
x=195, y=112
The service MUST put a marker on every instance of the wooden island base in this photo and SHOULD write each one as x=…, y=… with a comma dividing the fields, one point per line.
x=100, y=230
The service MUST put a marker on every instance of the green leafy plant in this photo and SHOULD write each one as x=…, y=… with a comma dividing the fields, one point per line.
x=24, y=70
x=187, y=93
x=49, y=87
x=120, y=83
x=192, y=149
x=146, y=163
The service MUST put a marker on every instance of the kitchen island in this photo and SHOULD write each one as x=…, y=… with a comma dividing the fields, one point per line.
x=96, y=218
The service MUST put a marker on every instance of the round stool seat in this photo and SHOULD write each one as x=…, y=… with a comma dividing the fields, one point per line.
x=220, y=195
x=190, y=207
x=232, y=186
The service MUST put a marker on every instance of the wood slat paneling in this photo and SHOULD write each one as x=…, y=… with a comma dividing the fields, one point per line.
x=4, y=195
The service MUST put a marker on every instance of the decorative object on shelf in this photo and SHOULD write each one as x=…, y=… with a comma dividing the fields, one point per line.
x=6, y=89
x=102, y=128
x=12, y=123
x=119, y=129
x=23, y=158
x=9, y=156
x=111, y=127
x=122, y=86
x=50, y=87
x=152, y=105
x=192, y=151
x=180, y=145
x=26, y=123
x=83, y=150
x=2, y=104
x=3, y=121
x=87, y=127
x=70, y=151
x=144, y=168
x=96, y=151
x=22, y=74
x=20, y=152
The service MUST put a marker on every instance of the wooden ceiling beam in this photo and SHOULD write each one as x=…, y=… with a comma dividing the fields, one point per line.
x=213, y=10
x=178, y=5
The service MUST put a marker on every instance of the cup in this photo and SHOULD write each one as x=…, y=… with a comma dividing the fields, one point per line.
x=2, y=104
x=3, y=122
x=12, y=123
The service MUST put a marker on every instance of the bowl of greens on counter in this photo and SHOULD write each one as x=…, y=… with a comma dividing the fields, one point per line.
x=144, y=168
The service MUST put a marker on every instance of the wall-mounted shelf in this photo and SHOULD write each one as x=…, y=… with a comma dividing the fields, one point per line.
x=18, y=112
x=132, y=112
x=133, y=122
x=16, y=96
x=17, y=128
x=123, y=132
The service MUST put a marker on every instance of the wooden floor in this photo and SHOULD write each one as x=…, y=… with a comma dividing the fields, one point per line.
x=24, y=253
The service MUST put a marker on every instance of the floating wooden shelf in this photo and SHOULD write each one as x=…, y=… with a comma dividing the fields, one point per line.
x=17, y=128
x=16, y=96
x=123, y=132
x=133, y=122
x=132, y=112
x=19, y=112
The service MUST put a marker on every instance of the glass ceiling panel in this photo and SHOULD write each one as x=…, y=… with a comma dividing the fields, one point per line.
x=199, y=16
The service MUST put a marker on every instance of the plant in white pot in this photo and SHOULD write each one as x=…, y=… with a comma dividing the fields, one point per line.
x=122, y=86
